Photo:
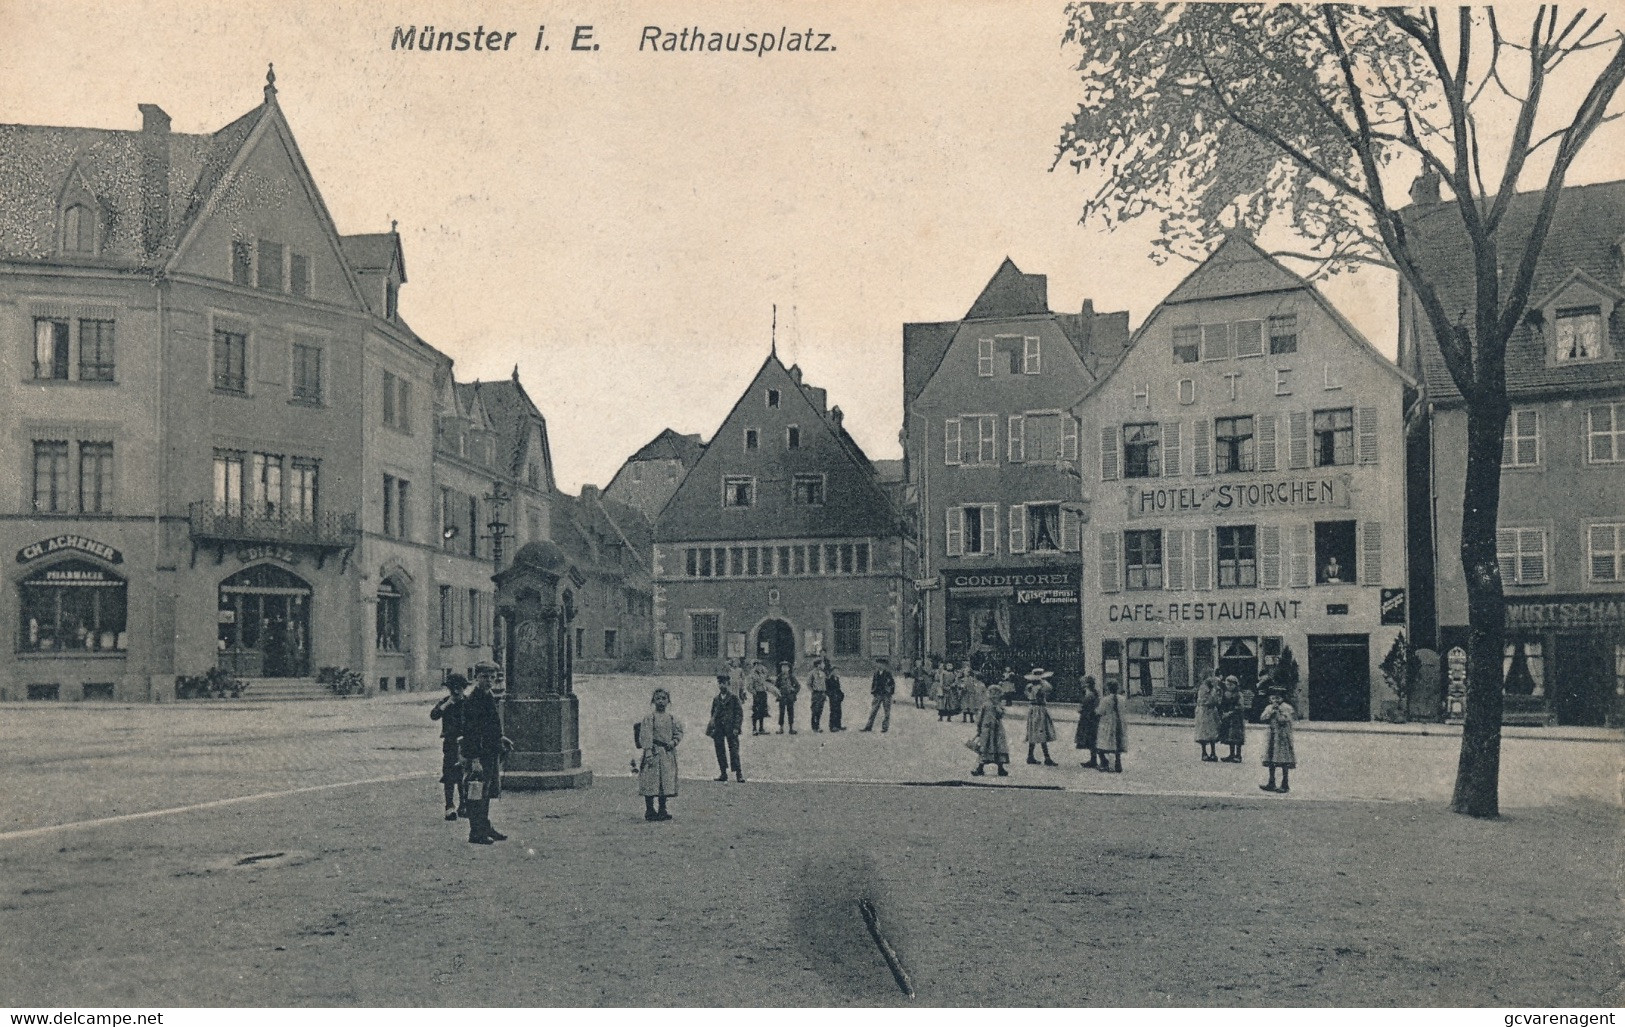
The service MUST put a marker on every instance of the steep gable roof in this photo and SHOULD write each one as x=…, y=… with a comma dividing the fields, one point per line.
x=514, y=417
x=1009, y=293
x=669, y=445
x=1237, y=268
x=376, y=251
x=924, y=346
x=855, y=504
x=1585, y=236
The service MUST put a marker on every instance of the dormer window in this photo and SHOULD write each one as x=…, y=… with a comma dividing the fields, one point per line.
x=1578, y=334
x=78, y=229
x=391, y=298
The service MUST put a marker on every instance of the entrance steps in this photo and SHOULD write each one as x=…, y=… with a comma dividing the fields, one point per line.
x=285, y=689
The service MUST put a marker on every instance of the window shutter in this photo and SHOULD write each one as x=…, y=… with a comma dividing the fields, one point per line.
x=1300, y=554
x=1297, y=439
x=990, y=529
x=1069, y=437
x=1365, y=430
x=1269, y=555
x=1202, y=558
x=1266, y=442
x=1018, y=528
x=956, y=531
x=1110, y=545
x=1506, y=551
x=1171, y=442
x=1202, y=448
x=1018, y=438
x=1532, y=560
x=1071, y=530
x=1109, y=447
x=1173, y=559
x=952, y=442
x=1370, y=553
x=987, y=448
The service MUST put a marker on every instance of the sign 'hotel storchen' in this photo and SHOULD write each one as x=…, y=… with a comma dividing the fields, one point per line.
x=1243, y=468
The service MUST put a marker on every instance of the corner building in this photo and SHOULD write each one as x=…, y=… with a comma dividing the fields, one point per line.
x=1244, y=478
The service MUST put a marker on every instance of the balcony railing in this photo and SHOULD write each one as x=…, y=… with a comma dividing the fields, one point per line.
x=230, y=522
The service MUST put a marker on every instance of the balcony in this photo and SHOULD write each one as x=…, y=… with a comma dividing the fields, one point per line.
x=224, y=526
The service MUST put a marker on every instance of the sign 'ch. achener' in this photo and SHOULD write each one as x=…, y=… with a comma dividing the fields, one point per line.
x=1303, y=492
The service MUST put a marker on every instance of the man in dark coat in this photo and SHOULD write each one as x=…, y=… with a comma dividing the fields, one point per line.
x=482, y=749
x=837, y=696
x=883, y=686
x=449, y=711
x=727, y=719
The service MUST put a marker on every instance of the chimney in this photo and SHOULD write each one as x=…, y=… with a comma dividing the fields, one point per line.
x=795, y=373
x=836, y=416
x=1426, y=187
x=590, y=492
x=154, y=176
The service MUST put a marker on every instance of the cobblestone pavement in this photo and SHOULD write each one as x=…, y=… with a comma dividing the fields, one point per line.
x=83, y=761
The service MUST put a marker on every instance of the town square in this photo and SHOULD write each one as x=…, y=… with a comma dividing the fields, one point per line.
x=1128, y=512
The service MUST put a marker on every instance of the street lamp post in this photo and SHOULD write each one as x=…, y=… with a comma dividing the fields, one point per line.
x=497, y=531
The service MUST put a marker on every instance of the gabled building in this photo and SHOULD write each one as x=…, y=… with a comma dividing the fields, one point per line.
x=611, y=545
x=223, y=432
x=1243, y=476
x=650, y=476
x=1562, y=514
x=990, y=466
x=779, y=543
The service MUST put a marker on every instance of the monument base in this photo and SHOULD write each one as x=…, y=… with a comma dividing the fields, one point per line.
x=545, y=780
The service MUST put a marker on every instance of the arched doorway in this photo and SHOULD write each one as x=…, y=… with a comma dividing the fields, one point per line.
x=264, y=623
x=776, y=644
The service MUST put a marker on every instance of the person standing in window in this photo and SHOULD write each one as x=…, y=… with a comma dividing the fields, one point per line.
x=1112, y=734
x=1040, y=725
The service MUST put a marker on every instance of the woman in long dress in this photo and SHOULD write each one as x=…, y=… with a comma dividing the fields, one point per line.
x=658, y=734
x=1112, y=738
x=1040, y=725
x=1207, y=718
x=1088, y=720
x=948, y=697
x=992, y=744
x=1279, y=753
x=1232, y=720
x=759, y=686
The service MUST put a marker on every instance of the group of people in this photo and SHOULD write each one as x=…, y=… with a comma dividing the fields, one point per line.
x=1100, y=722
x=471, y=749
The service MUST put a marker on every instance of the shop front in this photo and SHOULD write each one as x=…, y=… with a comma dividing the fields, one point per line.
x=72, y=621
x=1564, y=660
x=1017, y=617
x=264, y=623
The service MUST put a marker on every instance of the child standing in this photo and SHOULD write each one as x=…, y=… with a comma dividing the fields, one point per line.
x=1112, y=737
x=1278, y=751
x=1207, y=718
x=1232, y=720
x=758, y=699
x=991, y=743
x=1040, y=725
x=658, y=735
x=1089, y=720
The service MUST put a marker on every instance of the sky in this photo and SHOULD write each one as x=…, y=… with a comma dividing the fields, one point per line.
x=621, y=224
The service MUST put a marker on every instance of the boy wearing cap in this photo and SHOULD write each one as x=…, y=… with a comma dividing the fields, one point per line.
x=785, y=688
x=727, y=718
x=482, y=747
x=882, y=686
x=449, y=711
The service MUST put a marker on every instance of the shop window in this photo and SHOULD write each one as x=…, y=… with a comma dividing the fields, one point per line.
x=1334, y=437
x=50, y=476
x=738, y=492
x=848, y=632
x=1204, y=657
x=808, y=490
x=1578, y=334
x=1111, y=662
x=1187, y=344
x=1521, y=553
x=706, y=630
x=1284, y=334
x=1605, y=433
x=1233, y=444
x=1179, y=672
x=72, y=607
x=230, y=361
x=1520, y=440
x=95, y=350
x=47, y=693
x=1141, y=450
x=1523, y=666
x=1606, y=556
x=98, y=690
x=388, y=627
x=1146, y=666
x=1334, y=552
x=1142, y=559
x=50, y=349
x=1238, y=557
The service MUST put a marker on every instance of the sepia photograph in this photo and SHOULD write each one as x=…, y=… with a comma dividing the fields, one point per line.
x=852, y=506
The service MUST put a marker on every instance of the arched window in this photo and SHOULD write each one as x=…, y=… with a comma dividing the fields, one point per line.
x=78, y=229
x=72, y=607
x=390, y=597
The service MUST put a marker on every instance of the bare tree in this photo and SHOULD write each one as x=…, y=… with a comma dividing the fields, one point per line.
x=1300, y=119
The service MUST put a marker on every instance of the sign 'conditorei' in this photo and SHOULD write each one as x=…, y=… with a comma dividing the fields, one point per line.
x=1225, y=497
x=1043, y=586
x=76, y=543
